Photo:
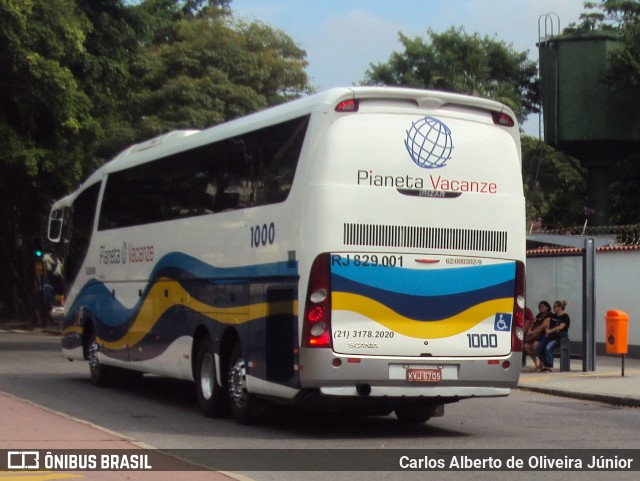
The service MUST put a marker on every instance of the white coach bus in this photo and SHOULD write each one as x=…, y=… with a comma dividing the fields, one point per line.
x=359, y=248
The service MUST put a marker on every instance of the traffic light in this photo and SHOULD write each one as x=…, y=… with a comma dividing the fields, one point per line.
x=38, y=249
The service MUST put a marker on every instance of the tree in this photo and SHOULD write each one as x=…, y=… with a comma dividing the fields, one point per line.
x=45, y=123
x=213, y=69
x=161, y=16
x=458, y=62
x=625, y=186
x=81, y=79
x=622, y=16
x=554, y=185
x=102, y=72
x=62, y=109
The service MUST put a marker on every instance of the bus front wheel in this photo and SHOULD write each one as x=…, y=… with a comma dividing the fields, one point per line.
x=211, y=397
x=99, y=373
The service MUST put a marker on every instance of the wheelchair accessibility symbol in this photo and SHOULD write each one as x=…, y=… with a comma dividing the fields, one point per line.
x=502, y=322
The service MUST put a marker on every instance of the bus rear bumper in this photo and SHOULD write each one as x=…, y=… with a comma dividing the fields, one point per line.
x=332, y=374
x=373, y=391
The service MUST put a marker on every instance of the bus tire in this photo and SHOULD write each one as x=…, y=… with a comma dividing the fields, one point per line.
x=241, y=401
x=413, y=413
x=100, y=375
x=211, y=398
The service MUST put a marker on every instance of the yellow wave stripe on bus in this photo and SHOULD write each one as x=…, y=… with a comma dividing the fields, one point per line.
x=72, y=330
x=406, y=326
x=145, y=320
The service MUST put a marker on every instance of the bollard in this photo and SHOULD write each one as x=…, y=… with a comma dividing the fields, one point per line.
x=565, y=354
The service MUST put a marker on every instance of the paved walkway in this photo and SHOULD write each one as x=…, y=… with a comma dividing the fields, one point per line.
x=25, y=426
x=605, y=384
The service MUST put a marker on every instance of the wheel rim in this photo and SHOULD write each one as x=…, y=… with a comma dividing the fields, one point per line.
x=94, y=363
x=206, y=376
x=238, y=383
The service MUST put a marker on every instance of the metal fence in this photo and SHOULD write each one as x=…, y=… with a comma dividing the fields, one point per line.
x=628, y=235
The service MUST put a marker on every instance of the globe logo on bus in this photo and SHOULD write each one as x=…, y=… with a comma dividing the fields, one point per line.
x=429, y=143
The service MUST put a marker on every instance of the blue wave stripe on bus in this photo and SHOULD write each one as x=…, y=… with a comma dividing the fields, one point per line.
x=171, y=325
x=202, y=270
x=95, y=296
x=429, y=282
x=98, y=300
x=424, y=308
x=114, y=328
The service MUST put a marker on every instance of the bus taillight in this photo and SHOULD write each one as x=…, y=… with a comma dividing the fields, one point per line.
x=316, y=330
x=500, y=118
x=517, y=331
x=350, y=105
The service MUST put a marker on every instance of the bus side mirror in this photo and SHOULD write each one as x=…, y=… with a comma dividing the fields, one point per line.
x=55, y=225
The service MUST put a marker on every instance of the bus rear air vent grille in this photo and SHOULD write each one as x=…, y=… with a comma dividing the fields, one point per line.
x=421, y=237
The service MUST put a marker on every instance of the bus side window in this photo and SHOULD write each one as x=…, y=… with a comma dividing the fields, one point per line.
x=55, y=225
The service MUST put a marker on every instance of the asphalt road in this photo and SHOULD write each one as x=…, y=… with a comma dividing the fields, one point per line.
x=163, y=413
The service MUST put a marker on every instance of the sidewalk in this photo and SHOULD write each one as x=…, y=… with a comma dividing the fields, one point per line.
x=605, y=384
x=25, y=426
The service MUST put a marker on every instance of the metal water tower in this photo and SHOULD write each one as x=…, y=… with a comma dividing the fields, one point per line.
x=584, y=116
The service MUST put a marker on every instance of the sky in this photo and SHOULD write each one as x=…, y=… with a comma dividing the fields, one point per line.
x=343, y=37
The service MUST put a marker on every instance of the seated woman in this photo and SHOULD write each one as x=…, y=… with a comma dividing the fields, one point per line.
x=558, y=328
x=535, y=331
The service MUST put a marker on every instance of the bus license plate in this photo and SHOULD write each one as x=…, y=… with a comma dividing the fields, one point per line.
x=424, y=375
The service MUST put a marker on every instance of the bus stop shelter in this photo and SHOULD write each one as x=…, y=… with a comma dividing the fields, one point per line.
x=588, y=244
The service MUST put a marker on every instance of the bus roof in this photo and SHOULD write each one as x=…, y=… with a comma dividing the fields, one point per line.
x=326, y=101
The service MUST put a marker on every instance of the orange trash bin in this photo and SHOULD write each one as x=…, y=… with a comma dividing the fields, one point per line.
x=617, y=332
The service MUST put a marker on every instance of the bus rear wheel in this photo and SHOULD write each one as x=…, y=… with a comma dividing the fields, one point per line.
x=241, y=401
x=211, y=397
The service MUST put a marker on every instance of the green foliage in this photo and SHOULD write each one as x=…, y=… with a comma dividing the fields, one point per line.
x=160, y=17
x=623, y=193
x=43, y=111
x=214, y=69
x=103, y=74
x=45, y=127
x=623, y=17
x=606, y=15
x=625, y=64
x=458, y=62
x=555, y=186
x=81, y=79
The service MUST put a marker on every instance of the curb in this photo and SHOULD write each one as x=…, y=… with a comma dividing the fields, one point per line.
x=585, y=396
